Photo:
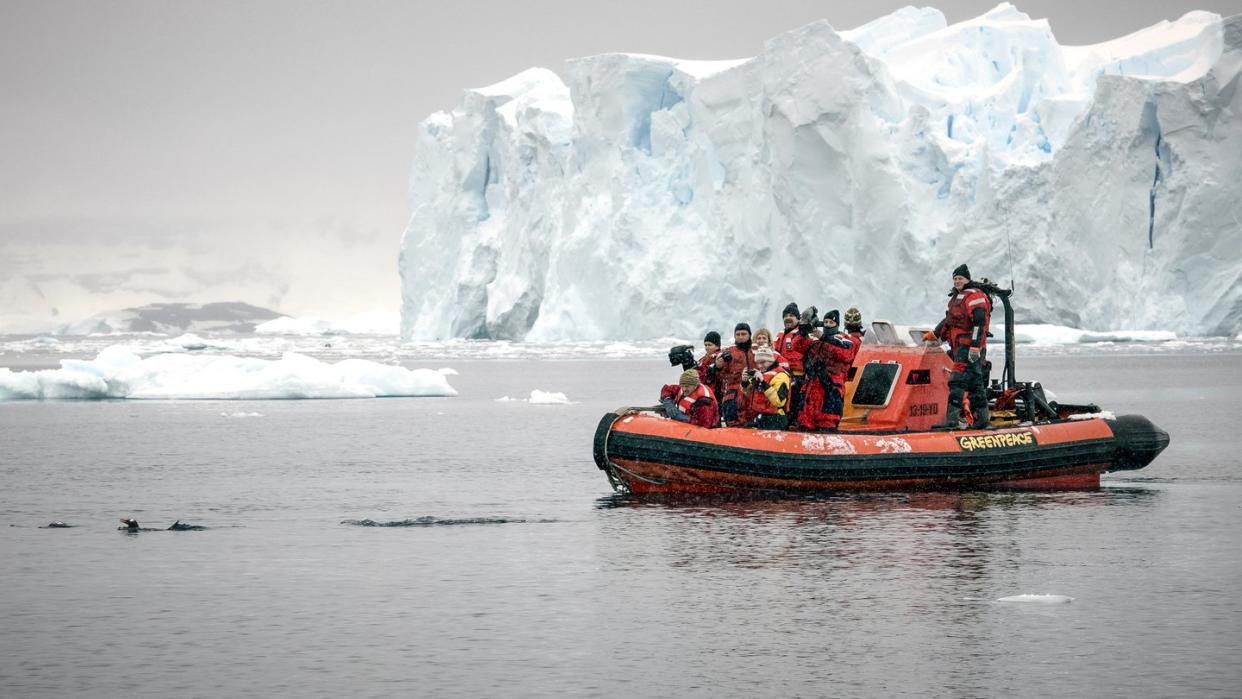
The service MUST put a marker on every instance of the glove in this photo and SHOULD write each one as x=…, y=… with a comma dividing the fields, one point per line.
x=761, y=385
x=929, y=336
x=974, y=354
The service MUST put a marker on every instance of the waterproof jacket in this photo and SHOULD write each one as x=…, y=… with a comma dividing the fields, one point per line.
x=828, y=359
x=697, y=407
x=966, y=320
x=792, y=344
x=773, y=397
x=740, y=361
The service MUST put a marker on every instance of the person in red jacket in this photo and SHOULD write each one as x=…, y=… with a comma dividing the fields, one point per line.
x=791, y=344
x=767, y=392
x=965, y=328
x=690, y=401
x=731, y=364
x=827, y=362
x=707, y=365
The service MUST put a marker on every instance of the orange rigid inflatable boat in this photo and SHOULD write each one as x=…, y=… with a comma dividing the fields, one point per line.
x=895, y=392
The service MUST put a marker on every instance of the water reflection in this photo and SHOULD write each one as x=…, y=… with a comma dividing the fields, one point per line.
x=924, y=548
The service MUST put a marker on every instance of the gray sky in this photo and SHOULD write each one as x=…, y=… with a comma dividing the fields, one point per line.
x=267, y=117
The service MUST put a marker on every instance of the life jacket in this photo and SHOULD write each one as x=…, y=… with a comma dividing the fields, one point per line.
x=699, y=406
x=772, y=400
x=792, y=344
x=957, y=326
x=686, y=401
x=731, y=374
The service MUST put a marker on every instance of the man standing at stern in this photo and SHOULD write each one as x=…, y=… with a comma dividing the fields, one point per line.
x=965, y=328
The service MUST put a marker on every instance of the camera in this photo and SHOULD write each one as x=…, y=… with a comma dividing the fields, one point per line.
x=755, y=380
x=682, y=355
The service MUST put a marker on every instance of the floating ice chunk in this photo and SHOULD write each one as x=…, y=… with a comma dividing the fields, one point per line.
x=369, y=323
x=296, y=326
x=1037, y=599
x=446, y=371
x=1045, y=334
x=538, y=397
x=1129, y=336
x=119, y=373
x=241, y=414
x=507, y=399
x=190, y=341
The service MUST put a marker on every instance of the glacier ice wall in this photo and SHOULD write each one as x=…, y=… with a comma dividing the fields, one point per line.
x=644, y=196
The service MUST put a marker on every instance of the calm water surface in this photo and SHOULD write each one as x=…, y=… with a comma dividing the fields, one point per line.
x=559, y=587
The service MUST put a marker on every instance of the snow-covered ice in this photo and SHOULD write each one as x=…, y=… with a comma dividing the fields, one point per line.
x=539, y=397
x=636, y=196
x=118, y=372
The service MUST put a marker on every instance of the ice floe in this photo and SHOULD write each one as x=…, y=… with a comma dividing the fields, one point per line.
x=117, y=372
x=538, y=397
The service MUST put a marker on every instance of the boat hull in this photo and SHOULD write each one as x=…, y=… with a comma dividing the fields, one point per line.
x=648, y=454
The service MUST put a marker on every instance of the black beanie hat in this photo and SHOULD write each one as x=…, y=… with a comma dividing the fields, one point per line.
x=791, y=310
x=834, y=315
x=962, y=271
x=712, y=337
x=742, y=326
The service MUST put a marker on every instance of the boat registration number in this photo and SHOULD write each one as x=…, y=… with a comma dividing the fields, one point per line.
x=1004, y=440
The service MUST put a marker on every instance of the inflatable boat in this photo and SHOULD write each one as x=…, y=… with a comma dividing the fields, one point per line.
x=896, y=390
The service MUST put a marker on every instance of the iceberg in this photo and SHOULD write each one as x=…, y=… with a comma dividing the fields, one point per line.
x=370, y=323
x=117, y=372
x=633, y=196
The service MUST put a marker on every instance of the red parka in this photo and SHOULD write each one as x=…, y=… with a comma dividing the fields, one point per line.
x=792, y=344
x=965, y=323
x=827, y=363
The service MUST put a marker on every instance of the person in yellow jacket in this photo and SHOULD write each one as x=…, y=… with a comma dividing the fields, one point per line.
x=767, y=391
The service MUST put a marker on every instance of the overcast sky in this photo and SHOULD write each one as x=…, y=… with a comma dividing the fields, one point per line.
x=169, y=115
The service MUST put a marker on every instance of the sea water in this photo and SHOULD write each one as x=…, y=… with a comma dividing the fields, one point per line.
x=517, y=571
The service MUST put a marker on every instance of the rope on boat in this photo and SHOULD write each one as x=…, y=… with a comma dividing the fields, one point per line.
x=653, y=481
x=617, y=483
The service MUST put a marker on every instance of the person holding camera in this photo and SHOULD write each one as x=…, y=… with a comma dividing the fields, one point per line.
x=707, y=365
x=731, y=364
x=965, y=328
x=766, y=389
x=827, y=362
x=791, y=344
